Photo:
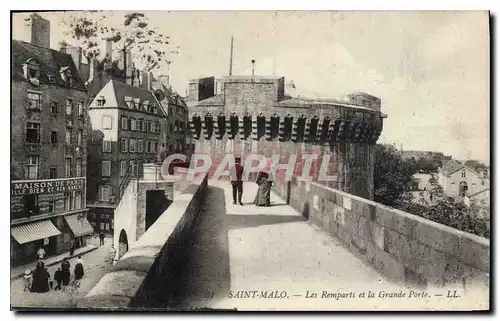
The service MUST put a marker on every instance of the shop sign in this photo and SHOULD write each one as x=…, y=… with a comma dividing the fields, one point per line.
x=47, y=186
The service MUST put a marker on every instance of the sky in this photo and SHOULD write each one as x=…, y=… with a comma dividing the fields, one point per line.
x=431, y=69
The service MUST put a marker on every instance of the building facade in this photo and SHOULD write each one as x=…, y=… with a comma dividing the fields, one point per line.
x=49, y=149
x=458, y=180
x=247, y=114
x=178, y=134
x=128, y=128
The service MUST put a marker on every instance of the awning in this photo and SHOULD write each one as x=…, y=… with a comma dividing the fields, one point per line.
x=33, y=231
x=79, y=224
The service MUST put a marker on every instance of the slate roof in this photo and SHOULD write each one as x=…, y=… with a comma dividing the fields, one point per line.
x=451, y=166
x=51, y=61
x=171, y=96
x=123, y=90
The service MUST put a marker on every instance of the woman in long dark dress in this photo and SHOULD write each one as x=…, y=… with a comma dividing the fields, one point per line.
x=263, y=197
x=65, y=274
x=40, y=279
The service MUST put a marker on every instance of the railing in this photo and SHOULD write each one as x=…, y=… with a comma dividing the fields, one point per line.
x=124, y=183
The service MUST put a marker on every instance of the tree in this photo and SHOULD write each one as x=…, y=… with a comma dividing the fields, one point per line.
x=475, y=165
x=148, y=46
x=392, y=175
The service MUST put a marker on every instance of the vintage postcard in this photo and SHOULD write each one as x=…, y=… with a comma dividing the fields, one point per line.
x=250, y=160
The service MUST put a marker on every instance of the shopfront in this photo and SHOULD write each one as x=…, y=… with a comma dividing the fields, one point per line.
x=48, y=214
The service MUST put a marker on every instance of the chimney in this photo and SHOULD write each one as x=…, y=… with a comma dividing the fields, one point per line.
x=93, y=68
x=76, y=54
x=37, y=31
x=129, y=67
x=109, y=54
x=164, y=80
x=150, y=81
x=145, y=80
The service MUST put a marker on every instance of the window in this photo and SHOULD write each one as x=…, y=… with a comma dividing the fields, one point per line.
x=33, y=133
x=52, y=206
x=101, y=101
x=106, y=122
x=124, y=123
x=68, y=136
x=124, y=145
x=154, y=146
x=79, y=137
x=53, y=172
x=78, y=167
x=31, y=168
x=69, y=107
x=149, y=126
x=53, y=137
x=133, y=124
x=53, y=107
x=133, y=168
x=31, y=69
x=67, y=167
x=157, y=127
x=106, y=146
x=463, y=174
x=31, y=204
x=105, y=193
x=132, y=145
x=78, y=200
x=34, y=101
x=140, y=147
x=148, y=146
x=80, y=108
x=140, y=126
x=482, y=182
x=67, y=201
x=106, y=168
x=123, y=168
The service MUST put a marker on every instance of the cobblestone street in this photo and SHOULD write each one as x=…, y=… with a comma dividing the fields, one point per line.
x=94, y=265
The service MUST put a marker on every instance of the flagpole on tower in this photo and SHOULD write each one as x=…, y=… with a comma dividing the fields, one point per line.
x=231, y=58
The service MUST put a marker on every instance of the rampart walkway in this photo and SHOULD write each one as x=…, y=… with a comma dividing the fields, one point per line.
x=250, y=248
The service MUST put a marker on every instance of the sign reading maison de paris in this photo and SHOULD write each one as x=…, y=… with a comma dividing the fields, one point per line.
x=48, y=186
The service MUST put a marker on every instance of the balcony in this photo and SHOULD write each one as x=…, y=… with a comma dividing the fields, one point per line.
x=32, y=148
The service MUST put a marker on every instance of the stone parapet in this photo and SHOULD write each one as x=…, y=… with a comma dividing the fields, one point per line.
x=407, y=249
x=143, y=277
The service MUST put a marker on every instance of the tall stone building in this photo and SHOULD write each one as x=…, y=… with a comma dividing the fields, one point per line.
x=49, y=148
x=251, y=114
x=178, y=134
x=128, y=128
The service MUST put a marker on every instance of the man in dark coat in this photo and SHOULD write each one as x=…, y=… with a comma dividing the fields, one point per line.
x=101, y=238
x=66, y=274
x=236, y=174
x=58, y=278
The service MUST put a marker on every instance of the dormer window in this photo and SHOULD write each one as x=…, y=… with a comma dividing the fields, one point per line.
x=137, y=103
x=65, y=73
x=32, y=71
x=101, y=101
x=52, y=79
x=129, y=102
x=145, y=105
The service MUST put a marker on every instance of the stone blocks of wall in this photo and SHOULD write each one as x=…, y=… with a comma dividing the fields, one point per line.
x=407, y=249
x=404, y=247
x=144, y=276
